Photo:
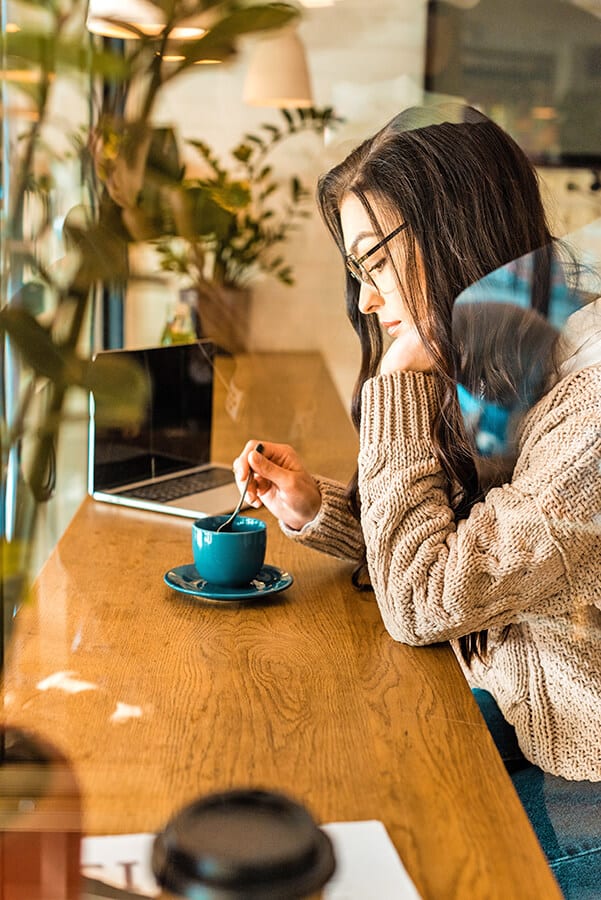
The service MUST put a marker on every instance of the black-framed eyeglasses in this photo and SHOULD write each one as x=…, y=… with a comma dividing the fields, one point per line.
x=355, y=265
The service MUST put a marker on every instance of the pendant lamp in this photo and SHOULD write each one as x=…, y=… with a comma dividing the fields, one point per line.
x=278, y=74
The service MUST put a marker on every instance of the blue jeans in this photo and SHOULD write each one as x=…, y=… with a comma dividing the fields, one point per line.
x=566, y=815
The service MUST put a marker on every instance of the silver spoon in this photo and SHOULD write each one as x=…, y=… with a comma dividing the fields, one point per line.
x=228, y=522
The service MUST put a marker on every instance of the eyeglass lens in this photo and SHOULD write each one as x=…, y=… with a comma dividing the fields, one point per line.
x=359, y=271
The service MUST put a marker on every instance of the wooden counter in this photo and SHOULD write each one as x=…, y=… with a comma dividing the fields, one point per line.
x=304, y=692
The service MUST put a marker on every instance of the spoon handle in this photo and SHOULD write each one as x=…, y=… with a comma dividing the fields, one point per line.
x=228, y=521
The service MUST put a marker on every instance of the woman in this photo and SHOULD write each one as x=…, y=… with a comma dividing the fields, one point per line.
x=506, y=565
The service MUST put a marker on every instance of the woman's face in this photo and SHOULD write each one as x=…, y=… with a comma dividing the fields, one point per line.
x=383, y=297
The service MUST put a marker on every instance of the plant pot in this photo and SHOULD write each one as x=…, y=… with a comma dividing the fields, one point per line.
x=40, y=820
x=223, y=314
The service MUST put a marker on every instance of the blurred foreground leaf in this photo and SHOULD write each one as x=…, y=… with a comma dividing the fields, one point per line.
x=218, y=42
x=60, y=53
x=121, y=388
x=103, y=253
x=13, y=554
x=37, y=348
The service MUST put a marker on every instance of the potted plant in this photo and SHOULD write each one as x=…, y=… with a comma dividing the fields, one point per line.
x=237, y=219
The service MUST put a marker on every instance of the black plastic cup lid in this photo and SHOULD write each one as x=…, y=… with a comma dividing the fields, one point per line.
x=248, y=844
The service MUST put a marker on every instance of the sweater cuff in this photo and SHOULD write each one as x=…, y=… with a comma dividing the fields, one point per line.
x=397, y=407
x=333, y=530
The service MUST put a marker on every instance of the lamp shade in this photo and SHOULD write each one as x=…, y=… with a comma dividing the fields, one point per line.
x=463, y=4
x=111, y=18
x=278, y=74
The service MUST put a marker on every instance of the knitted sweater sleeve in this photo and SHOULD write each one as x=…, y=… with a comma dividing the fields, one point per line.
x=436, y=579
x=335, y=530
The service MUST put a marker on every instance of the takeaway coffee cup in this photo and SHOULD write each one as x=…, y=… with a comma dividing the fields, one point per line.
x=243, y=844
x=229, y=558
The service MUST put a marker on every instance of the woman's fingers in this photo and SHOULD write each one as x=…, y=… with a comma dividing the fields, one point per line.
x=262, y=466
x=279, y=481
x=241, y=465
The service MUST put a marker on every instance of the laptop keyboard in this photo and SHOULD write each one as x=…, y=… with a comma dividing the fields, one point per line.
x=182, y=486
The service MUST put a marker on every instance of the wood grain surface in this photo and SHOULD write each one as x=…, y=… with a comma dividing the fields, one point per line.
x=304, y=691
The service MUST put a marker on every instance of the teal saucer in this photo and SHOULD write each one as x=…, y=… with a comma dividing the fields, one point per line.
x=185, y=579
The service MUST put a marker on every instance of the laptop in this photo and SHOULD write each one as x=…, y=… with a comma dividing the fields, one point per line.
x=164, y=465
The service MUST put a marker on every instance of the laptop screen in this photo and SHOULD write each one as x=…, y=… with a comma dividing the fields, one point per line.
x=175, y=434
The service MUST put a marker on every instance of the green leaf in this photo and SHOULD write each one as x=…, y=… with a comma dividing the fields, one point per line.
x=265, y=171
x=268, y=191
x=109, y=65
x=37, y=348
x=219, y=42
x=121, y=390
x=255, y=139
x=246, y=20
x=202, y=147
x=242, y=152
x=296, y=188
x=33, y=91
x=208, y=155
x=289, y=118
x=55, y=53
x=209, y=217
x=232, y=196
x=275, y=132
x=103, y=253
x=13, y=561
x=30, y=297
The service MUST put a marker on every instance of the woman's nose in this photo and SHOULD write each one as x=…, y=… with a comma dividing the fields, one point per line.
x=369, y=299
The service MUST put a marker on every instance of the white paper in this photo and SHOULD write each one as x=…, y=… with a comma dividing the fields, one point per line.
x=122, y=860
x=367, y=863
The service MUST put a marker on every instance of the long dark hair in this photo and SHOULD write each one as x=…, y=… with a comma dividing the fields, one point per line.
x=472, y=201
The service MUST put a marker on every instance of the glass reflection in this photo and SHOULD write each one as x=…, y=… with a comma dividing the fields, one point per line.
x=517, y=331
x=507, y=329
x=533, y=67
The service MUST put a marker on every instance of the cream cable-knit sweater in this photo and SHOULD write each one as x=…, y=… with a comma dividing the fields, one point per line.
x=529, y=556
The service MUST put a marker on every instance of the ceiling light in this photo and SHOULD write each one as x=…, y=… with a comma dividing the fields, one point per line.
x=278, y=74
x=111, y=18
x=463, y=4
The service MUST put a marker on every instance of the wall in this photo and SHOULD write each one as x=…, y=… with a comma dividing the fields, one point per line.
x=366, y=61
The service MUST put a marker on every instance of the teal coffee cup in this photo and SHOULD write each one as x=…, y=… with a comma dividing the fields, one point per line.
x=230, y=558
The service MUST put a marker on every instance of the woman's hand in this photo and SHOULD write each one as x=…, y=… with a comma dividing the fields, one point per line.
x=281, y=483
x=407, y=353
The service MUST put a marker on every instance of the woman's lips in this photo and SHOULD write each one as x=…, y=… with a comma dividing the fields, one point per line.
x=391, y=327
